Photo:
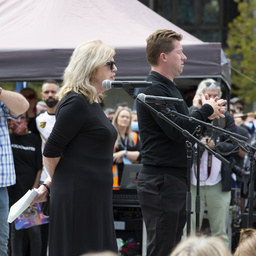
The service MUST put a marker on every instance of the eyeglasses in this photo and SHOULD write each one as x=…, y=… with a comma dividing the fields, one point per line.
x=240, y=108
x=30, y=96
x=111, y=64
x=245, y=234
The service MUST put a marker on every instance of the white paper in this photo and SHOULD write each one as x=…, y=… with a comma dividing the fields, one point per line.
x=21, y=205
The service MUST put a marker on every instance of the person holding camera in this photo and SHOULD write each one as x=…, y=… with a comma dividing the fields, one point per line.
x=215, y=176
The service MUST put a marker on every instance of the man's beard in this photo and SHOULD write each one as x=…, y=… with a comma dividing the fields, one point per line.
x=51, y=103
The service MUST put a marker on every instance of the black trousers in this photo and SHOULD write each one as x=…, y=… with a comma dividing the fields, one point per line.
x=17, y=244
x=163, y=203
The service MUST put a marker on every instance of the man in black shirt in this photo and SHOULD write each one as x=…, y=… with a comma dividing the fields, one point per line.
x=162, y=182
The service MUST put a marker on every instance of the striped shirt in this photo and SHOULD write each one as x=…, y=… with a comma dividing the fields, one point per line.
x=7, y=171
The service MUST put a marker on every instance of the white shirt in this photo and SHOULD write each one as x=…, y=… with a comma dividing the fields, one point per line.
x=45, y=123
x=209, y=176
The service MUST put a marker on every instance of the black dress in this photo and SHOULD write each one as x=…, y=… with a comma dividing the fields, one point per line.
x=81, y=218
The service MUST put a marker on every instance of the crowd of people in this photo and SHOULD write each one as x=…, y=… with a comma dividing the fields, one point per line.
x=71, y=150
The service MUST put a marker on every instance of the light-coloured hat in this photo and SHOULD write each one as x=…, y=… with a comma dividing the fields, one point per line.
x=235, y=100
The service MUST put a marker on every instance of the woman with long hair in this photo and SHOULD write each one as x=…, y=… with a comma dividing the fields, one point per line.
x=127, y=145
x=79, y=155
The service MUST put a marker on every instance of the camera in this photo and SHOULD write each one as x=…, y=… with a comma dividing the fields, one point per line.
x=238, y=171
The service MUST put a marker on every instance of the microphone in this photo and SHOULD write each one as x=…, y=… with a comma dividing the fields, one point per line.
x=159, y=100
x=107, y=84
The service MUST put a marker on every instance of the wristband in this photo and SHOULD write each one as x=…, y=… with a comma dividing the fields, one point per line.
x=125, y=153
x=48, y=188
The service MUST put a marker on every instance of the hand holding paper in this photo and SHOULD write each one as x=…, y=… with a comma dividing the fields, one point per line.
x=21, y=205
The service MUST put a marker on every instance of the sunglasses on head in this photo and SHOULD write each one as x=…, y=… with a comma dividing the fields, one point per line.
x=245, y=234
x=30, y=96
x=126, y=108
x=208, y=84
x=111, y=64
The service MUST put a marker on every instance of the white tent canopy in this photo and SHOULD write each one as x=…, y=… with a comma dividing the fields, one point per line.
x=38, y=37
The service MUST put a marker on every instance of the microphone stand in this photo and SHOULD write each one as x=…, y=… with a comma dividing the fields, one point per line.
x=198, y=203
x=250, y=150
x=232, y=135
x=235, y=137
x=251, y=189
x=188, y=197
x=189, y=154
x=241, y=141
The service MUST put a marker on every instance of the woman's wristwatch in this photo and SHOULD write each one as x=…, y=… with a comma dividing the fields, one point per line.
x=48, y=188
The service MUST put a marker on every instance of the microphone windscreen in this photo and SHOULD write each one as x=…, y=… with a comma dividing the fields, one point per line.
x=141, y=97
x=106, y=84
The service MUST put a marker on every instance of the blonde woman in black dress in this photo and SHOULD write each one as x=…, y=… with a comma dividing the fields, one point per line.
x=79, y=155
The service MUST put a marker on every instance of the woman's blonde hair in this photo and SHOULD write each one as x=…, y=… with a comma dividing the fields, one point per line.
x=79, y=74
x=247, y=243
x=114, y=122
x=201, y=246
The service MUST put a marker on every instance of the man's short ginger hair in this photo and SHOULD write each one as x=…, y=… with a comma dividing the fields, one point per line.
x=161, y=41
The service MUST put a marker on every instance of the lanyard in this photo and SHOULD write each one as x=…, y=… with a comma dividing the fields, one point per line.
x=125, y=143
x=124, y=146
x=209, y=167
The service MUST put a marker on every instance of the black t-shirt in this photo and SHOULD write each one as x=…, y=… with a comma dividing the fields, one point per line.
x=27, y=161
x=129, y=145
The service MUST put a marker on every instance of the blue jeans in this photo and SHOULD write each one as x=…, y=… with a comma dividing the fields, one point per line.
x=4, y=225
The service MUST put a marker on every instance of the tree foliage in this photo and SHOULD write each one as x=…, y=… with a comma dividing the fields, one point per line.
x=241, y=50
